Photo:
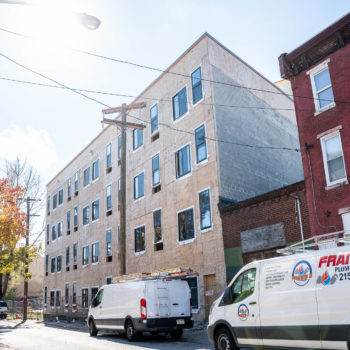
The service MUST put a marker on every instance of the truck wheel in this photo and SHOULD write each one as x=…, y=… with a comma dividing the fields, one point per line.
x=224, y=340
x=130, y=332
x=176, y=334
x=92, y=328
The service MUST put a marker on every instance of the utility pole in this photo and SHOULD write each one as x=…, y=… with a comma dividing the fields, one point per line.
x=25, y=293
x=123, y=109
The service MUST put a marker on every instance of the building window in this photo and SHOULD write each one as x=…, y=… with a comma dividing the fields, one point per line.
x=59, y=229
x=201, y=145
x=157, y=226
x=85, y=298
x=180, y=103
x=53, y=233
x=53, y=265
x=109, y=155
x=45, y=296
x=54, y=202
x=59, y=263
x=86, y=215
x=86, y=176
x=52, y=298
x=48, y=204
x=140, y=239
x=68, y=220
x=94, y=291
x=196, y=79
x=76, y=182
x=75, y=217
x=204, y=209
x=66, y=294
x=109, y=280
x=47, y=233
x=119, y=146
x=137, y=138
x=118, y=190
x=333, y=159
x=183, y=161
x=154, y=118
x=74, y=294
x=186, y=224
x=46, y=263
x=85, y=255
x=94, y=252
x=193, y=284
x=109, y=197
x=67, y=256
x=60, y=197
x=155, y=170
x=139, y=186
x=109, y=242
x=95, y=210
x=322, y=88
x=95, y=170
x=75, y=253
x=58, y=298
x=69, y=187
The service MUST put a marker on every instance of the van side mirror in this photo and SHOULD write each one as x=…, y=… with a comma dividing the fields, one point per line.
x=227, y=298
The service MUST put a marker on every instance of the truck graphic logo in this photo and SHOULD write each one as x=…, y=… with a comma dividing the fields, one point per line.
x=243, y=312
x=302, y=273
x=327, y=279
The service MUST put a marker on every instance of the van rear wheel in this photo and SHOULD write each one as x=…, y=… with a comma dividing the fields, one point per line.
x=92, y=328
x=130, y=332
x=177, y=334
x=224, y=340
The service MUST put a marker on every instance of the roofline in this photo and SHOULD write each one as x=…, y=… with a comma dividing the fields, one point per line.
x=204, y=35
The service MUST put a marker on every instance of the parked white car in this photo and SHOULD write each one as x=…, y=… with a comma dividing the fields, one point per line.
x=3, y=309
x=296, y=301
x=150, y=305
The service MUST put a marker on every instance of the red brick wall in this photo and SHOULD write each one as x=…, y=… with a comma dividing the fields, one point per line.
x=272, y=211
x=327, y=201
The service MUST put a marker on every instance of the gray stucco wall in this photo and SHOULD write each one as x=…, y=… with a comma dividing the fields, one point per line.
x=245, y=172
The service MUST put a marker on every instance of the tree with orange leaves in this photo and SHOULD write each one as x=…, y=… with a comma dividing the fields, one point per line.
x=12, y=230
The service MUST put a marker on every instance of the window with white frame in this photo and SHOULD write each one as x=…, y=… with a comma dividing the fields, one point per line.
x=47, y=232
x=53, y=265
x=140, y=239
x=196, y=80
x=67, y=256
x=94, y=291
x=180, y=103
x=322, y=87
x=48, y=204
x=74, y=293
x=183, y=161
x=333, y=158
x=185, y=220
x=119, y=146
x=75, y=216
x=53, y=233
x=76, y=182
x=59, y=263
x=94, y=252
x=59, y=229
x=155, y=170
x=60, y=197
x=109, y=197
x=95, y=170
x=137, y=138
x=86, y=176
x=108, y=155
x=75, y=253
x=95, y=210
x=54, y=201
x=204, y=209
x=68, y=220
x=66, y=294
x=85, y=256
x=109, y=242
x=85, y=298
x=139, y=190
x=69, y=187
x=201, y=144
x=157, y=226
x=154, y=118
x=86, y=215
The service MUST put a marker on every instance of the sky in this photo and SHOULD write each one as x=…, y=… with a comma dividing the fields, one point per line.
x=49, y=126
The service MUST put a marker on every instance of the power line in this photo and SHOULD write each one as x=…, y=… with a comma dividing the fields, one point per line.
x=175, y=73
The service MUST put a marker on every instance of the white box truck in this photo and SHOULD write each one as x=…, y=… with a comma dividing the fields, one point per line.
x=158, y=305
x=296, y=301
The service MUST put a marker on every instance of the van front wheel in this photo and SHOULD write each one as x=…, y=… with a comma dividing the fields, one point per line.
x=92, y=328
x=224, y=340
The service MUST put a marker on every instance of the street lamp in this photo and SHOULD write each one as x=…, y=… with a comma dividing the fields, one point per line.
x=84, y=19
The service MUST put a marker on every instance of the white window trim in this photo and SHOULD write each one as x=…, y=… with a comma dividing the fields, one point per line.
x=76, y=295
x=99, y=168
x=119, y=158
x=57, y=264
x=58, y=198
x=190, y=240
x=66, y=304
x=202, y=99
x=109, y=143
x=54, y=257
x=95, y=263
x=160, y=178
x=199, y=212
x=98, y=287
x=75, y=174
x=188, y=174
x=110, y=184
x=324, y=157
x=172, y=105
x=85, y=186
x=77, y=216
x=67, y=246
x=141, y=146
x=56, y=194
x=141, y=252
x=73, y=253
x=206, y=144
x=111, y=277
x=54, y=240
x=82, y=255
x=161, y=223
x=196, y=311
x=154, y=132
x=59, y=222
x=82, y=297
x=144, y=187
x=107, y=229
x=99, y=209
x=86, y=206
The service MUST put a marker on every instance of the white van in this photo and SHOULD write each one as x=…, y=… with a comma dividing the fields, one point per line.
x=3, y=309
x=296, y=301
x=150, y=305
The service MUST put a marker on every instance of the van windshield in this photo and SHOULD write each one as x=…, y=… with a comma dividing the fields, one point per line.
x=3, y=304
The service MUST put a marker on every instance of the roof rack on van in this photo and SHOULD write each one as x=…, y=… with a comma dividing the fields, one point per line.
x=327, y=240
x=173, y=273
